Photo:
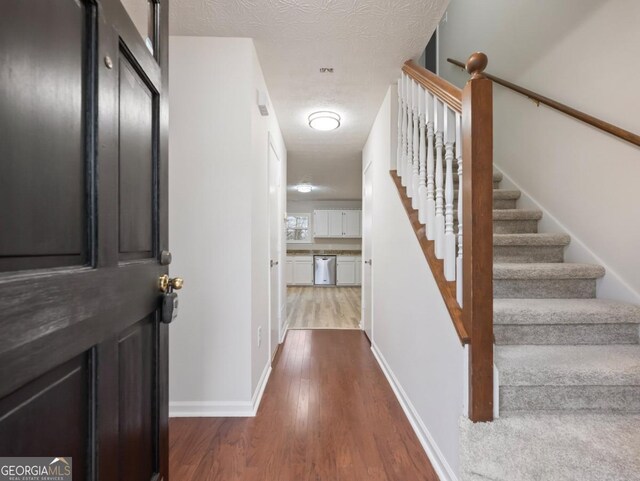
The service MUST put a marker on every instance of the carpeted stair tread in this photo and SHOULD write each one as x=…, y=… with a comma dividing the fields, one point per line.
x=564, y=311
x=568, y=365
x=534, y=240
x=552, y=447
x=506, y=194
x=517, y=214
x=547, y=271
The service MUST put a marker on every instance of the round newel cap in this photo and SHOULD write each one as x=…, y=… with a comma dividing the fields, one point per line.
x=476, y=64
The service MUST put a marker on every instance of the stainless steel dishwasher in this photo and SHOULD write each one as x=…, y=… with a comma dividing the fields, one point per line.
x=324, y=271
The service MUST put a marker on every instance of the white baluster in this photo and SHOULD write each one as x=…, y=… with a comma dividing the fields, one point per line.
x=416, y=145
x=403, y=176
x=449, y=236
x=410, y=129
x=399, y=138
x=409, y=164
x=431, y=167
x=410, y=140
x=422, y=180
x=439, y=225
x=459, y=159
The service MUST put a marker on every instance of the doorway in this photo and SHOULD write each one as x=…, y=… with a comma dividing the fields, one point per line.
x=324, y=261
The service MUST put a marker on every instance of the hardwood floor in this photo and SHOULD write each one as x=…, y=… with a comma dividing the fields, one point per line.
x=328, y=414
x=323, y=307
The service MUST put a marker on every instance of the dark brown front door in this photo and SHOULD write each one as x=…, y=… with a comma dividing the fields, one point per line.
x=83, y=223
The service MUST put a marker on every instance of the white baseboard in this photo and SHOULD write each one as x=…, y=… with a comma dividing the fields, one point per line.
x=283, y=334
x=438, y=461
x=262, y=384
x=222, y=409
x=210, y=409
x=284, y=322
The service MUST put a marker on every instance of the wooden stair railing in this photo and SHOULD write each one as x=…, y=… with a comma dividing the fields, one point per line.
x=576, y=114
x=437, y=124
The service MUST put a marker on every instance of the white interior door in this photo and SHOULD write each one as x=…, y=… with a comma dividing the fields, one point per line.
x=275, y=240
x=367, y=264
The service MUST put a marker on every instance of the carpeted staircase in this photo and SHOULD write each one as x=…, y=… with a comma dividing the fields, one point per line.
x=568, y=364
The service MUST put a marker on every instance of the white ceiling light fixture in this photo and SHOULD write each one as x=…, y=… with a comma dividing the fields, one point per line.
x=324, y=120
x=304, y=188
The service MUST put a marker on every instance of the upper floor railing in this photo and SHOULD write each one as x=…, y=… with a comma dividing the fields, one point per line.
x=445, y=176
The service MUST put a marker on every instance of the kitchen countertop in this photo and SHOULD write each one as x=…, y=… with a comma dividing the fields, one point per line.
x=324, y=252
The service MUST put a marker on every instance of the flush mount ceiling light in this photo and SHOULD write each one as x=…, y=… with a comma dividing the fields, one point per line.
x=324, y=120
x=304, y=188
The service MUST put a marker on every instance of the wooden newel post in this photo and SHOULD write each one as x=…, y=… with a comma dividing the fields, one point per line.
x=477, y=152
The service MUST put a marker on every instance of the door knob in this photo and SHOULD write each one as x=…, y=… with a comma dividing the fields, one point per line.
x=165, y=283
x=370, y=262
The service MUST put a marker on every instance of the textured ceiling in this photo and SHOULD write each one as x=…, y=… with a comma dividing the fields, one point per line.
x=366, y=43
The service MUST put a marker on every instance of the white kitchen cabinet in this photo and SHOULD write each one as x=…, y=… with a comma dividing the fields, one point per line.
x=301, y=270
x=346, y=271
x=351, y=221
x=358, y=271
x=321, y=223
x=337, y=223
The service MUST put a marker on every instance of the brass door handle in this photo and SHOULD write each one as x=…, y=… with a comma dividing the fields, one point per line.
x=165, y=283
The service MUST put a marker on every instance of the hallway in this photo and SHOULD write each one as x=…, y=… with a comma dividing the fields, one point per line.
x=328, y=414
x=323, y=307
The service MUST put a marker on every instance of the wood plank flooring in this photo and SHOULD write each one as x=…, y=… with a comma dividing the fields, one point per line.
x=328, y=414
x=323, y=307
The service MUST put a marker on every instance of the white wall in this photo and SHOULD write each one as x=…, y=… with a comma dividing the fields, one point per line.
x=264, y=130
x=581, y=53
x=413, y=336
x=307, y=207
x=218, y=224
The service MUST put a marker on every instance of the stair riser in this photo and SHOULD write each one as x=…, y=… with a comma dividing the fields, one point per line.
x=515, y=226
x=566, y=334
x=496, y=185
x=570, y=398
x=504, y=203
x=544, y=288
x=497, y=203
x=528, y=254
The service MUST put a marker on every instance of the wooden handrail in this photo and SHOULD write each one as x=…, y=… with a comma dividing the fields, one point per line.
x=445, y=91
x=576, y=114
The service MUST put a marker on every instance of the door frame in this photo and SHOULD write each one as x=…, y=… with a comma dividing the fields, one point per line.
x=367, y=211
x=270, y=207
